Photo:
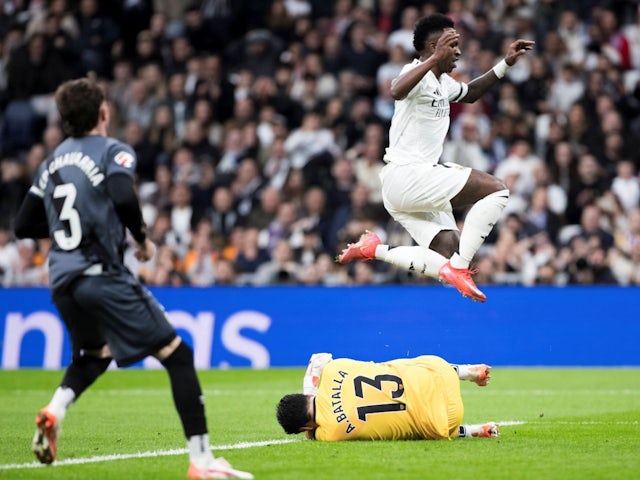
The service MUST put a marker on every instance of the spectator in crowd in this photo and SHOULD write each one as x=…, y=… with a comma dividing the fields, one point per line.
x=626, y=185
x=258, y=52
x=309, y=141
x=280, y=270
x=625, y=257
x=367, y=169
x=34, y=71
x=360, y=58
x=539, y=218
x=246, y=186
x=13, y=187
x=403, y=36
x=222, y=213
x=97, y=34
x=146, y=152
x=29, y=268
x=520, y=163
x=147, y=50
x=276, y=168
x=467, y=150
x=590, y=185
x=280, y=228
x=264, y=213
x=250, y=255
x=566, y=89
x=201, y=259
x=8, y=255
x=591, y=229
x=140, y=104
x=181, y=216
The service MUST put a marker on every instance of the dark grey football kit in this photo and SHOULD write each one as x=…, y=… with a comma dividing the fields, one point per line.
x=86, y=189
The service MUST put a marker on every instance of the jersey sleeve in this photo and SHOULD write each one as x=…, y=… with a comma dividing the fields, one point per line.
x=416, y=88
x=40, y=180
x=457, y=90
x=120, y=158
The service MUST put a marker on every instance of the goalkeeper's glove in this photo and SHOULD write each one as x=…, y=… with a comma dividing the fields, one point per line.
x=317, y=363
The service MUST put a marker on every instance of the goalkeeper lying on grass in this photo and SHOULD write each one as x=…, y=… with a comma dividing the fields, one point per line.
x=413, y=398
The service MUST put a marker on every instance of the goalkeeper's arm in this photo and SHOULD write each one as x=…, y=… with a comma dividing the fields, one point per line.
x=311, y=379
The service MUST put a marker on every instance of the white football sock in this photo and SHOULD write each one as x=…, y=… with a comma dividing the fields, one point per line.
x=416, y=259
x=481, y=218
x=200, y=450
x=62, y=398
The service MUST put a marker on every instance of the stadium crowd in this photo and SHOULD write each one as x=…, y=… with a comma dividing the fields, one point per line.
x=260, y=126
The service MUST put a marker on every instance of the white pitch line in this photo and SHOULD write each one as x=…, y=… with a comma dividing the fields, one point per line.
x=127, y=456
x=552, y=393
x=166, y=453
x=597, y=422
x=243, y=445
x=510, y=423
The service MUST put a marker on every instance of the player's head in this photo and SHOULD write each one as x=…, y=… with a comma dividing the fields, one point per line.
x=428, y=29
x=293, y=413
x=82, y=106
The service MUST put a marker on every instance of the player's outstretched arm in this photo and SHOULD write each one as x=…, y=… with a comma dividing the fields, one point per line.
x=479, y=374
x=486, y=430
x=479, y=86
x=317, y=362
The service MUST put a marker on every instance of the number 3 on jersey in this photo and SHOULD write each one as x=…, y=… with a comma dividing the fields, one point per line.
x=376, y=383
x=68, y=192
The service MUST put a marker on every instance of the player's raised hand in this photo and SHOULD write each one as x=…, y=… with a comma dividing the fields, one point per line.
x=517, y=49
x=145, y=251
x=447, y=46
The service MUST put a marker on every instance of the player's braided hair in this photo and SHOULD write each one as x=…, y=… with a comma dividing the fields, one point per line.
x=79, y=103
x=428, y=25
x=292, y=412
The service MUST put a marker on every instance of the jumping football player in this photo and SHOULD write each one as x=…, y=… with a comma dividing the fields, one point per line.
x=417, y=191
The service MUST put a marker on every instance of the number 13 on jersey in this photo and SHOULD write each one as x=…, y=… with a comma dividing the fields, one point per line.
x=378, y=389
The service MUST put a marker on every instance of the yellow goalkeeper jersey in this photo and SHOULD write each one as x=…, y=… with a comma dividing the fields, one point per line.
x=404, y=399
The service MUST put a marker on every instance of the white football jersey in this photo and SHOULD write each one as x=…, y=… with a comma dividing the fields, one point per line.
x=421, y=119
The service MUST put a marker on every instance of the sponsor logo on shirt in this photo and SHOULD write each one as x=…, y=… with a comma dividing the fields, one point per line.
x=124, y=159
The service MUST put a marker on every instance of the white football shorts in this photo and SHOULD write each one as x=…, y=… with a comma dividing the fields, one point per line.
x=418, y=196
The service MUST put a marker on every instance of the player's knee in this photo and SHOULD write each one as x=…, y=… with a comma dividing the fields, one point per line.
x=92, y=361
x=445, y=243
x=103, y=352
x=169, y=348
x=182, y=355
x=497, y=185
x=500, y=186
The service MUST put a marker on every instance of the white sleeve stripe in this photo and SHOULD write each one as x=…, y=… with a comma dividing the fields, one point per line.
x=464, y=88
x=36, y=191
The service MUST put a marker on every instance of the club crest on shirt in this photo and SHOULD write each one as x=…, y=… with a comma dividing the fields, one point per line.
x=124, y=159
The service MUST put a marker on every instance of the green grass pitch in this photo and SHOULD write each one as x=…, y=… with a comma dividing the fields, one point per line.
x=576, y=424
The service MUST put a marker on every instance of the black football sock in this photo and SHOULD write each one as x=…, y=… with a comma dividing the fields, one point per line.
x=187, y=394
